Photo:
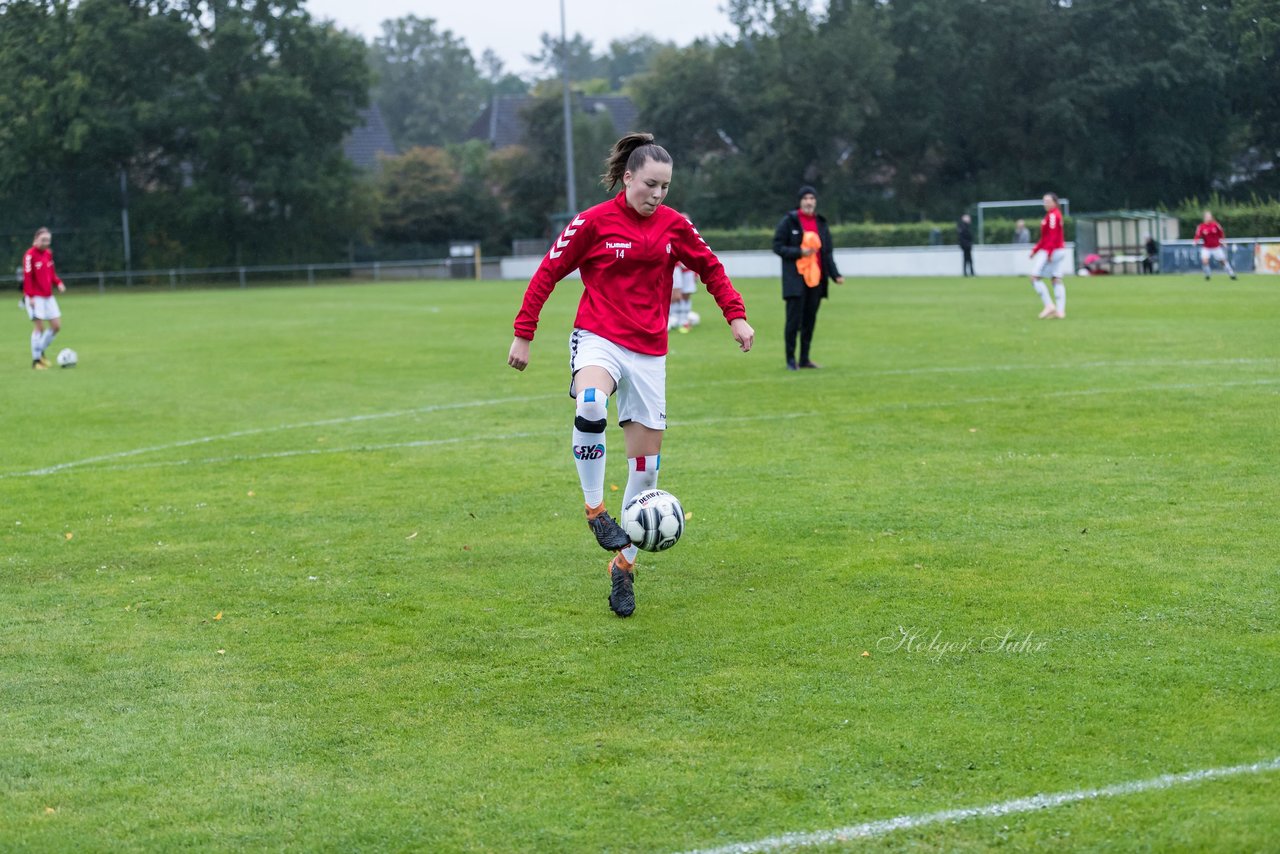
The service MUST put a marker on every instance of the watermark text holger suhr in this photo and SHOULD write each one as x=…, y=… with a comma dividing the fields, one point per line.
x=936, y=645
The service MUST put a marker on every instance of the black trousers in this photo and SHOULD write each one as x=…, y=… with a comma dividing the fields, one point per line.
x=802, y=313
x=968, y=260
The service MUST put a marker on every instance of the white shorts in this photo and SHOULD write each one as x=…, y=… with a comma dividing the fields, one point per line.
x=1055, y=265
x=1217, y=253
x=686, y=281
x=41, y=308
x=641, y=379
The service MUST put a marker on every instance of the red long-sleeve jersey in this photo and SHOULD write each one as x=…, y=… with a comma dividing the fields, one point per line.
x=626, y=261
x=1050, y=233
x=38, y=274
x=1210, y=233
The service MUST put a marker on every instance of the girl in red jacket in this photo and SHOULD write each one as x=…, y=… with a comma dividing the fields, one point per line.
x=625, y=249
x=1049, y=255
x=39, y=278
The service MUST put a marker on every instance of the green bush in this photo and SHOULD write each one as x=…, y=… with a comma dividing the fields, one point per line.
x=858, y=235
x=1254, y=218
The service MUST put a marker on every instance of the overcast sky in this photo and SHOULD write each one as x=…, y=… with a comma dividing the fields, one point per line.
x=511, y=27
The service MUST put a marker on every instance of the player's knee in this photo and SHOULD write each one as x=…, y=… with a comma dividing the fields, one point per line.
x=592, y=411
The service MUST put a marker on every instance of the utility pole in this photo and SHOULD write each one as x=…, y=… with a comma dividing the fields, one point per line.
x=571, y=190
x=124, y=227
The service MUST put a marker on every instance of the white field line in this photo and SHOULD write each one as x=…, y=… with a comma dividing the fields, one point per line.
x=1047, y=367
x=873, y=829
x=375, y=416
x=415, y=443
x=257, y=431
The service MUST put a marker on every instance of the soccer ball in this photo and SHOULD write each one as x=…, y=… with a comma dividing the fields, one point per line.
x=694, y=318
x=654, y=520
x=67, y=358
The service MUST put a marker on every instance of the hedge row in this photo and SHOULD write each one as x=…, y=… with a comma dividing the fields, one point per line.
x=874, y=234
x=1256, y=218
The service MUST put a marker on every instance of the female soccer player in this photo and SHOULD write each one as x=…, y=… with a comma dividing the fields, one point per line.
x=1209, y=237
x=685, y=285
x=625, y=249
x=1050, y=253
x=38, y=281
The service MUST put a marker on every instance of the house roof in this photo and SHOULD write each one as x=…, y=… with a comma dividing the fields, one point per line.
x=368, y=139
x=502, y=123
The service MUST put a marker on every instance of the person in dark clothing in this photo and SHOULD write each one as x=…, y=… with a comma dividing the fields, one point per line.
x=964, y=236
x=1149, y=259
x=803, y=242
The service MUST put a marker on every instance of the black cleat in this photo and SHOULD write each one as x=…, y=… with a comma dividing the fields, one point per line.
x=791, y=365
x=622, y=595
x=609, y=534
x=811, y=365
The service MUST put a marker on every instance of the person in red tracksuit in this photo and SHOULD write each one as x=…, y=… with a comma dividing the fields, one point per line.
x=1209, y=237
x=1050, y=255
x=626, y=249
x=39, y=278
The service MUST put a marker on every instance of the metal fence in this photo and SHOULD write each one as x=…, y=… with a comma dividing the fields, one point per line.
x=312, y=274
x=1183, y=256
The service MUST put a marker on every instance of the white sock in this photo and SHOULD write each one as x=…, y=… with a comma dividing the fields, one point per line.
x=1060, y=297
x=1205, y=267
x=588, y=443
x=36, y=349
x=1230, y=270
x=641, y=477
x=1043, y=291
x=46, y=340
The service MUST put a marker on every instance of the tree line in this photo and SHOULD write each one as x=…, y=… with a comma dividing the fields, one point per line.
x=219, y=122
x=914, y=110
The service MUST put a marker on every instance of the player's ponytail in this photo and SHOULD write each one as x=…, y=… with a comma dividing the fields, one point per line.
x=628, y=155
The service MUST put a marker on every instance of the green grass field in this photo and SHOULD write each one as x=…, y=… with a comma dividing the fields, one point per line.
x=304, y=569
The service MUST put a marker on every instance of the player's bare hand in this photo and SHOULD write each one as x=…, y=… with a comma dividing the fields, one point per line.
x=743, y=333
x=806, y=251
x=839, y=280
x=518, y=357
x=62, y=289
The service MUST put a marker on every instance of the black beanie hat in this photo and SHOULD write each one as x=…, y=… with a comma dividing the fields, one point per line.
x=807, y=190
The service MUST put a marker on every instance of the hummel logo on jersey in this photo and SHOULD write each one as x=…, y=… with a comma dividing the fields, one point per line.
x=610, y=245
x=560, y=245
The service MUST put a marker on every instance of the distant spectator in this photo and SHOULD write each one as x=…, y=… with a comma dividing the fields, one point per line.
x=1021, y=234
x=964, y=236
x=1152, y=250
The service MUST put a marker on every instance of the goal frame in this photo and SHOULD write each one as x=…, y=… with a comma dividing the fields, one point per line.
x=982, y=207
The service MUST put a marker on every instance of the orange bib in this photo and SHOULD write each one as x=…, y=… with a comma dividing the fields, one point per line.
x=811, y=268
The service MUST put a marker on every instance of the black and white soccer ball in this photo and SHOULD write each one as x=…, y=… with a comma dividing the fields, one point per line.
x=654, y=520
x=67, y=358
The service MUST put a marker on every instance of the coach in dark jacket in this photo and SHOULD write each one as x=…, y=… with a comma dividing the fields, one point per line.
x=802, y=297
